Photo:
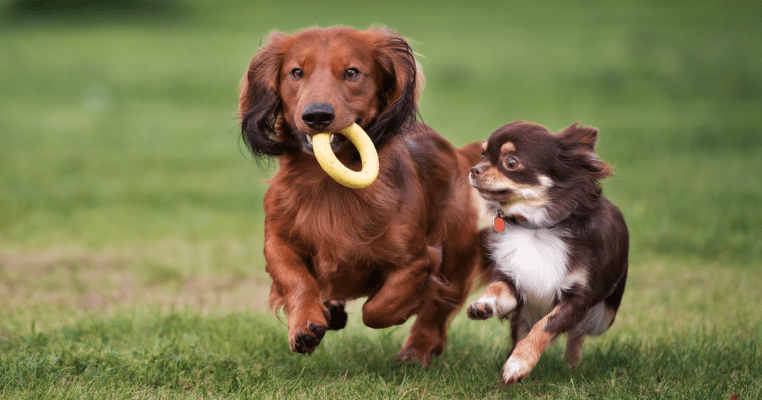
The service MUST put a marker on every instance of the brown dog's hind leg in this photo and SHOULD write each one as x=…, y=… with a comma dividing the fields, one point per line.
x=400, y=296
x=428, y=334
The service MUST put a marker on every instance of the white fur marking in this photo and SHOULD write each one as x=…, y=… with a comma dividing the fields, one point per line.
x=536, y=259
x=489, y=300
x=512, y=367
x=545, y=181
x=501, y=305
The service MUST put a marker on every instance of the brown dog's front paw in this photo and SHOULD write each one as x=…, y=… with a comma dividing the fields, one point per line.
x=480, y=309
x=336, y=316
x=305, y=342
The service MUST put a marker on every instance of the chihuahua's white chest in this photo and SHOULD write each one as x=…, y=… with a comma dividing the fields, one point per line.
x=536, y=259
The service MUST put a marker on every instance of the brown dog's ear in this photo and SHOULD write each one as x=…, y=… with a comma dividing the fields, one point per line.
x=259, y=103
x=583, y=136
x=398, y=84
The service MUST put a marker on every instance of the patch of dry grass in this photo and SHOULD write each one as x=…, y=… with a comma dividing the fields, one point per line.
x=54, y=286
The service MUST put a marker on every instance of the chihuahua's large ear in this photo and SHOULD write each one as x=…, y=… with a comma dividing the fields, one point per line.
x=580, y=135
x=399, y=84
x=259, y=103
x=579, y=144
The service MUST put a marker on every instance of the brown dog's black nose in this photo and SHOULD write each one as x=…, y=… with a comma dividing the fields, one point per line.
x=316, y=115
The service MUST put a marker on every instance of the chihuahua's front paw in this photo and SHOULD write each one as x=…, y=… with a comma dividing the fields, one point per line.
x=515, y=369
x=481, y=309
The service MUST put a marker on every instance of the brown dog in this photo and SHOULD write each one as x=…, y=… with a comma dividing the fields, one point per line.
x=559, y=253
x=409, y=241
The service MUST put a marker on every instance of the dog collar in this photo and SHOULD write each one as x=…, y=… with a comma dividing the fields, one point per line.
x=498, y=223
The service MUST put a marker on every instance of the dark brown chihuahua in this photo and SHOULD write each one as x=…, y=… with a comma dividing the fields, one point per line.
x=558, y=256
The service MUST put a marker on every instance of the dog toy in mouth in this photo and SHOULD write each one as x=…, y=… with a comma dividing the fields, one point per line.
x=321, y=146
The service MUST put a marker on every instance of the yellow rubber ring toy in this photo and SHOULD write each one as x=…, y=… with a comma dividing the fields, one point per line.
x=321, y=146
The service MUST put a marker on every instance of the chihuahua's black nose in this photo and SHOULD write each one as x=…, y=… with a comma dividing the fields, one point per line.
x=477, y=170
x=317, y=115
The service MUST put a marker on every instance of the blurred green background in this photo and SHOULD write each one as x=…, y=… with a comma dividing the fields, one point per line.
x=117, y=119
x=131, y=216
x=119, y=140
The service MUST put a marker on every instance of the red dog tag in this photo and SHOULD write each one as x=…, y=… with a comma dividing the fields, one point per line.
x=498, y=224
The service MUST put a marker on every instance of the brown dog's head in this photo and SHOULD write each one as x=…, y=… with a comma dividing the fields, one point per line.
x=529, y=173
x=323, y=80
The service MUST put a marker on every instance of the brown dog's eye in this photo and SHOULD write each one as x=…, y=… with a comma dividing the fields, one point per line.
x=297, y=73
x=351, y=74
x=483, y=155
x=512, y=163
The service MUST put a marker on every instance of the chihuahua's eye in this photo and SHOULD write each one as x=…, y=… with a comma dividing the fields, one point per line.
x=512, y=163
x=297, y=73
x=351, y=74
x=482, y=154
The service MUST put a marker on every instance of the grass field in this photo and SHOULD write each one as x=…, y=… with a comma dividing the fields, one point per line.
x=131, y=221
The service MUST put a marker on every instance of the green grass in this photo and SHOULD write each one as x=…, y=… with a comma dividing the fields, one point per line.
x=131, y=221
x=185, y=354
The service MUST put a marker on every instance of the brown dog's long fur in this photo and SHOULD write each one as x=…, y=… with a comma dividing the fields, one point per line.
x=409, y=241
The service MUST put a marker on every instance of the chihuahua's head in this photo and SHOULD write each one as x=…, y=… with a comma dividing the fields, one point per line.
x=531, y=175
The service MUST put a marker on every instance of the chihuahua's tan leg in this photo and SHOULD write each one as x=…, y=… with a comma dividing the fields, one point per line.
x=528, y=351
